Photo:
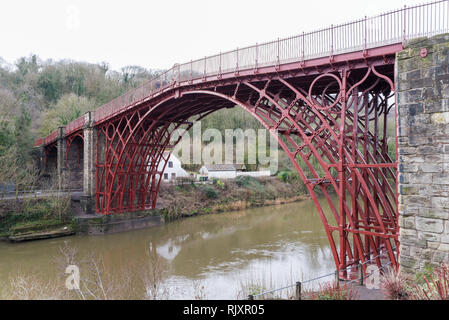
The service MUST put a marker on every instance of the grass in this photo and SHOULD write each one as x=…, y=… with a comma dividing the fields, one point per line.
x=395, y=285
x=35, y=224
x=331, y=291
x=257, y=283
x=436, y=286
x=34, y=214
x=432, y=283
x=424, y=274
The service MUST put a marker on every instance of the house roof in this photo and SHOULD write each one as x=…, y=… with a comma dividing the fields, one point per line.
x=220, y=167
x=225, y=167
x=170, y=154
x=239, y=166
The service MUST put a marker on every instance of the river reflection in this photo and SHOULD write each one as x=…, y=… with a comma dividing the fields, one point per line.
x=279, y=244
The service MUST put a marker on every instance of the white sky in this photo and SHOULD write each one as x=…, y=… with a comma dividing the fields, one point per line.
x=157, y=34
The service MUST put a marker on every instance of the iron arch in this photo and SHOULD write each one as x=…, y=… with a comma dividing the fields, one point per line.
x=326, y=127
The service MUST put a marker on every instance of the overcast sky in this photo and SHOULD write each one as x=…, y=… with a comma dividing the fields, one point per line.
x=157, y=34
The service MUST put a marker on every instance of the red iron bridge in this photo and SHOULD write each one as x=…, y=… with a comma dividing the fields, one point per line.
x=328, y=96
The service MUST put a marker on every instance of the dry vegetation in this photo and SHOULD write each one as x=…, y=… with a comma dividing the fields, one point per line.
x=97, y=282
x=225, y=195
x=430, y=284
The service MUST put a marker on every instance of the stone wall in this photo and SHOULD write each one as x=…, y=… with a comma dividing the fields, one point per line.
x=88, y=198
x=423, y=133
x=74, y=174
x=49, y=170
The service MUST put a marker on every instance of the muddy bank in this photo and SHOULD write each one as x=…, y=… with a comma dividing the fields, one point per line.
x=245, y=204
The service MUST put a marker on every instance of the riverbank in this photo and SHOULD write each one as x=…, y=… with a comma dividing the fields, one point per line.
x=34, y=219
x=241, y=193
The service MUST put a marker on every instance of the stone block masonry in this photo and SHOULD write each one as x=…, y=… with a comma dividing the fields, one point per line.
x=89, y=165
x=423, y=134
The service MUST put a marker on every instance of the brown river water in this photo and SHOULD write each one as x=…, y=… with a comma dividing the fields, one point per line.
x=220, y=253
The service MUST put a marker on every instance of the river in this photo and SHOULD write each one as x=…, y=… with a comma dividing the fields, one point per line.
x=216, y=256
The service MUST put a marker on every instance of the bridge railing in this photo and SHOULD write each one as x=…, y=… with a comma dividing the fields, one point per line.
x=302, y=292
x=133, y=96
x=51, y=138
x=38, y=142
x=389, y=28
x=75, y=125
x=385, y=29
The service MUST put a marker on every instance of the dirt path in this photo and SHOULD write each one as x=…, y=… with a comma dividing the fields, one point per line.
x=364, y=293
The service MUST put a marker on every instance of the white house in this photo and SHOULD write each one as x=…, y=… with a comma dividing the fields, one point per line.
x=229, y=171
x=223, y=171
x=173, y=168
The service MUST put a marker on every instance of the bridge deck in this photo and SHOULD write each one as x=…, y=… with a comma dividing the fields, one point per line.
x=345, y=43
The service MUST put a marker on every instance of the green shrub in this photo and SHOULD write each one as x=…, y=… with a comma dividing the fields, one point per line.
x=210, y=192
x=220, y=184
x=246, y=181
x=283, y=176
x=58, y=207
x=254, y=187
x=37, y=210
x=288, y=176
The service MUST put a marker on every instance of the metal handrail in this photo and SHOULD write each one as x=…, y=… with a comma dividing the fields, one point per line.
x=393, y=27
x=251, y=297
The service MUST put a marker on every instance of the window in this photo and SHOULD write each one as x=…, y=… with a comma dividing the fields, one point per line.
x=165, y=176
x=170, y=164
x=173, y=175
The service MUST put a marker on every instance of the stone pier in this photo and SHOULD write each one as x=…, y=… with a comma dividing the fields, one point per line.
x=89, y=168
x=422, y=78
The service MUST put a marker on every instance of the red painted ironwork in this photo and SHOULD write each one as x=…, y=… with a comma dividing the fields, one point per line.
x=332, y=124
x=327, y=96
x=52, y=137
x=75, y=125
x=38, y=142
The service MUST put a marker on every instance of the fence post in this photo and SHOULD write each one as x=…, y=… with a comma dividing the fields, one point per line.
x=204, y=74
x=303, y=49
x=405, y=25
x=332, y=42
x=250, y=297
x=257, y=56
x=237, y=63
x=278, y=53
x=337, y=279
x=298, y=290
x=361, y=274
x=219, y=68
x=191, y=72
x=365, y=40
